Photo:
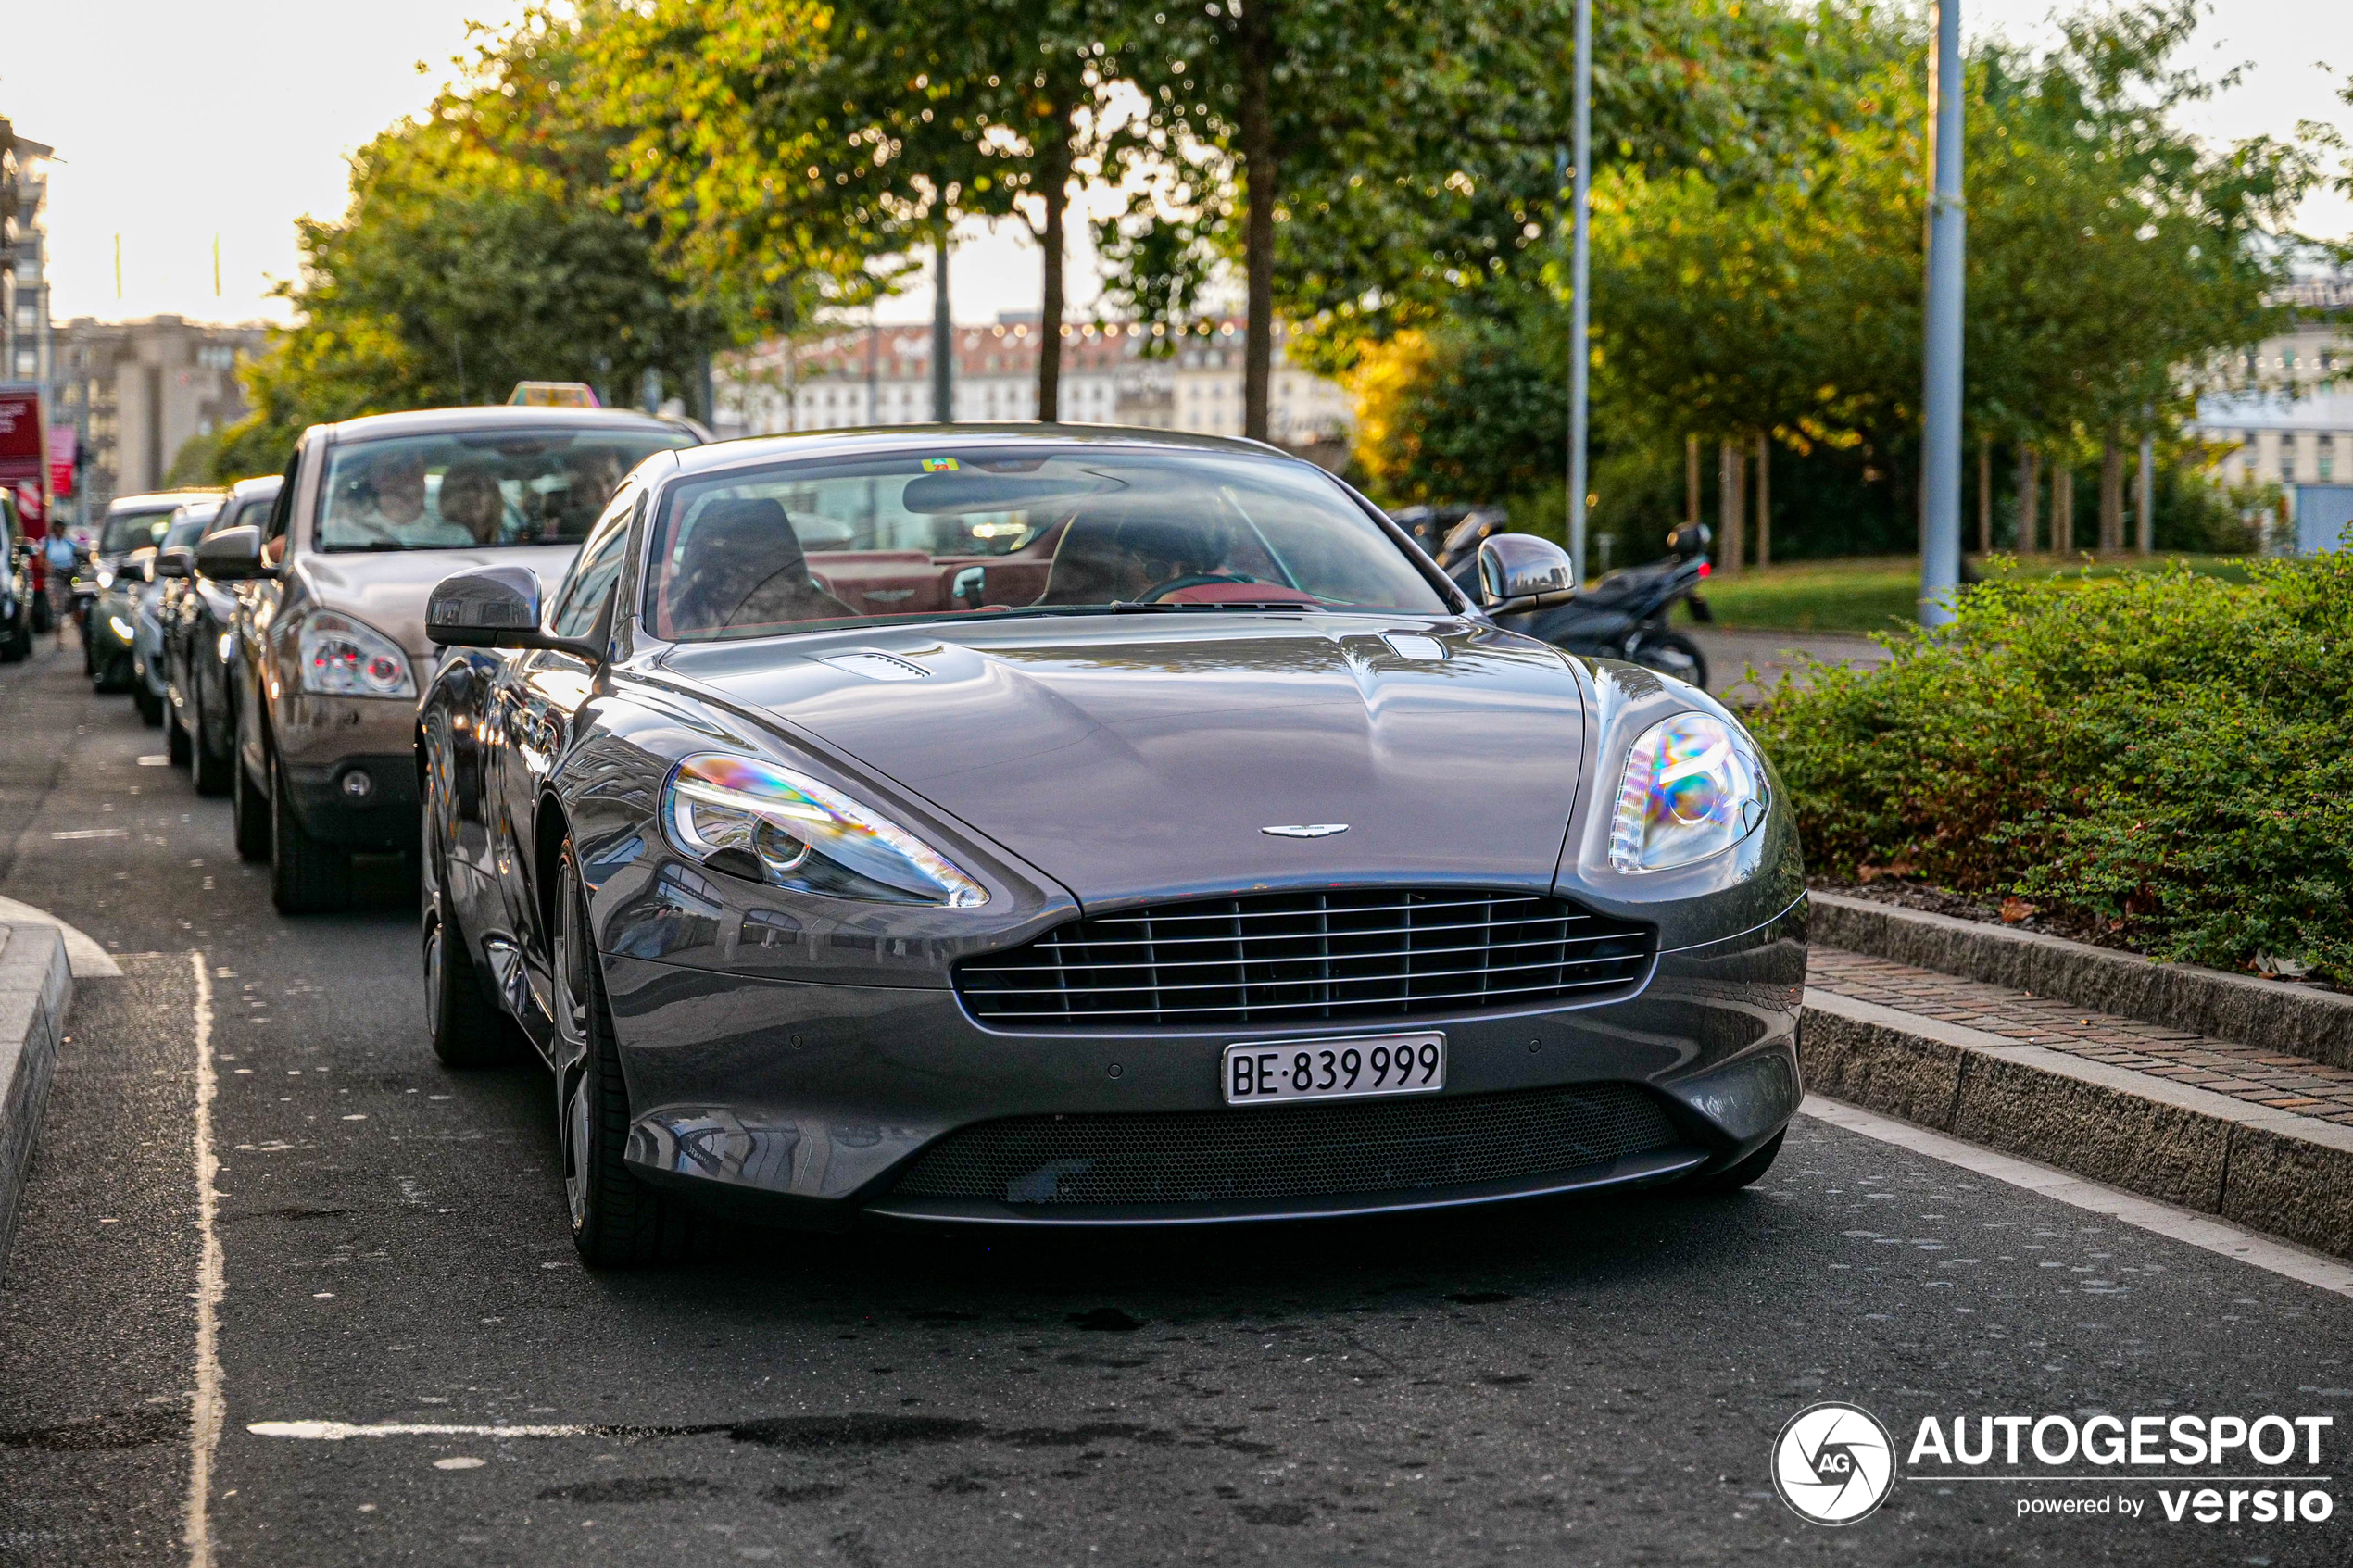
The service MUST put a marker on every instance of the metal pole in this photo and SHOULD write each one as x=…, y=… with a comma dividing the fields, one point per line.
x=1580, y=280
x=2145, y=501
x=1941, y=444
x=943, y=345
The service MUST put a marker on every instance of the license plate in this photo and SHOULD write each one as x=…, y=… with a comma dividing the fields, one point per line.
x=1277, y=1072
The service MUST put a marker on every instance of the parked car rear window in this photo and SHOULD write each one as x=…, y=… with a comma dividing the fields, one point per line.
x=481, y=487
x=125, y=532
x=970, y=530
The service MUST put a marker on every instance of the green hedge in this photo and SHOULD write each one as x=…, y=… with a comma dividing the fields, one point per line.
x=2170, y=754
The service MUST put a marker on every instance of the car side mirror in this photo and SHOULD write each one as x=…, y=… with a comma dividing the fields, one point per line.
x=496, y=606
x=1518, y=572
x=178, y=562
x=233, y=554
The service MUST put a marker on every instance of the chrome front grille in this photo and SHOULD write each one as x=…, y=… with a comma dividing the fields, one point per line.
x=1307, y=957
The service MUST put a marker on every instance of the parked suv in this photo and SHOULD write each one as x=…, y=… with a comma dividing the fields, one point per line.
x=330, y=647
x=19, y=592
x=199, y=645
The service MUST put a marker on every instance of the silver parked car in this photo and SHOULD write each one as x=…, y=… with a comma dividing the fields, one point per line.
x=330, y=646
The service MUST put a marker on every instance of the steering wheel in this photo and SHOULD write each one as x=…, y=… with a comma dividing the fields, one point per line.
x=1190, y=580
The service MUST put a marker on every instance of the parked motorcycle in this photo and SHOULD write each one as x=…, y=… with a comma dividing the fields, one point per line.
x=1624, y=615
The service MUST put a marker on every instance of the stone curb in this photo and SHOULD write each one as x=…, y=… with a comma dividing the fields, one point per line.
x=2268, y=1170
x=37, y=986
x=2276, y=1015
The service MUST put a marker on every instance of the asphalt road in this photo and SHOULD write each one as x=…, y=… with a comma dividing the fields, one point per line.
x=1597, y=1382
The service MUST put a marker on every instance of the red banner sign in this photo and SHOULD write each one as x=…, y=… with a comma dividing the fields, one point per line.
x=65, y=445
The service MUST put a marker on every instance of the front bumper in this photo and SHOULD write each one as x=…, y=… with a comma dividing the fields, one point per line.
x=114, y=626
x=365, y=802
x=811, y=1103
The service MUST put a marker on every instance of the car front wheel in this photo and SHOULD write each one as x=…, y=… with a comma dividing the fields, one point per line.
x=617, y=1220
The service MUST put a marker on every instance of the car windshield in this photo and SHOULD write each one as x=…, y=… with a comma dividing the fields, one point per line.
x=455, y=491
x=128, y=531
x=189, y=529
x=971, y=531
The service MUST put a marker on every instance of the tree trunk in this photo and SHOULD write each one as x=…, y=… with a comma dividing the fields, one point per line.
x=2062, y=509
x=1261, y=179
x=2144, y=496
x=1764, y=499
x=2029, y=485
x=1731, y=467
x=2112, y=496
x=1986, y=496
x=1690, y=479
x=1054, y=170
x=943, y=343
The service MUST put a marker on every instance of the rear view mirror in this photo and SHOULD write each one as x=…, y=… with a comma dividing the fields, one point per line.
x=1518, y=572
x=233, y=554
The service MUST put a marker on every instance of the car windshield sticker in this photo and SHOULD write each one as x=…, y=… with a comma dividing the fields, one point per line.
x=938, y=465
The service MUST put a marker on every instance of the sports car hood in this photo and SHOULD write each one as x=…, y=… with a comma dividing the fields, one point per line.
x=1143, y=755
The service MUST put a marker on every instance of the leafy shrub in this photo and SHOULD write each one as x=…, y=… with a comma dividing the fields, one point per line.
x=2170, y=754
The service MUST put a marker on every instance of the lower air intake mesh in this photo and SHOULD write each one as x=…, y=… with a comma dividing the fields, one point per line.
x=1288, y=1150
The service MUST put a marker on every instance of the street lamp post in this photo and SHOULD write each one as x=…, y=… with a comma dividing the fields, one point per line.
x=1947, y=234
x=1580, y=278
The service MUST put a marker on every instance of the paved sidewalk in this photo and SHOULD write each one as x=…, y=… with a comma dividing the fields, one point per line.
x=2268, y=1078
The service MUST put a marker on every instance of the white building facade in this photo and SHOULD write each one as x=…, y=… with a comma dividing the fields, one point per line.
x=883, y=377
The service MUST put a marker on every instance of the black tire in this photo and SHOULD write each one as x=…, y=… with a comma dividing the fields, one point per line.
x=44, y=620
x=307, y=875
x=175, y=737
x=16, y=644
x=1672, y=653
x=89, y=651
x=250, y=813
x=207, y=769
x=617, y=1220
x=465, y=1028
x=150, y=706
x=114, y=676
x=1735, y=1177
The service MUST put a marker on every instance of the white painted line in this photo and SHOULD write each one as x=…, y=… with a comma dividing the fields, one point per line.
x=84, y=956
x=92, y=833
x=155, y=762
x=338, y=1431
x=2204, y=1232
x=203, y=1422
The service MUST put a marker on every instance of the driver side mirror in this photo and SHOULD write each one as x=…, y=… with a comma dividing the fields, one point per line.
x=233, y=554
x=178, y=562
x=496, y=606
x=1518, y=572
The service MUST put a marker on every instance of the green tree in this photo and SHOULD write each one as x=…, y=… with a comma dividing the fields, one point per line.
x=486, y=243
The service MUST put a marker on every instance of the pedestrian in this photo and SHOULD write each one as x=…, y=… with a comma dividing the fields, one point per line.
x=62, y=558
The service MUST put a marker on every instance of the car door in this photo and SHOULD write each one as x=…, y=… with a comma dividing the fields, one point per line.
x=533, y=702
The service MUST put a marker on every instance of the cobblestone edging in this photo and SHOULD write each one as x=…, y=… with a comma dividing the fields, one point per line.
x=35, y=989
x=2297, y=1020
x=2268, y=1168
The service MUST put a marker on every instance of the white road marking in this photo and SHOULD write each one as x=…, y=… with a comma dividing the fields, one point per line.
x=338, y=1431
x=203, y=1422
x=92, y=833
x=2204, y=1232
x=155, y=762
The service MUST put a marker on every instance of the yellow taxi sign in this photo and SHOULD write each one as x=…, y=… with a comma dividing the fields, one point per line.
x=554, y=395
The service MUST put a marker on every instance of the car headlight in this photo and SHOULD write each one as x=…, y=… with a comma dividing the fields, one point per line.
x=756, y=819
x=228, y=646
x=120, y=627
x=1691, y=789
x=105, y=578
x=343, y=657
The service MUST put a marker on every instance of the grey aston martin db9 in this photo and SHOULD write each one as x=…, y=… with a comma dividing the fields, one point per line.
x=1042, y=826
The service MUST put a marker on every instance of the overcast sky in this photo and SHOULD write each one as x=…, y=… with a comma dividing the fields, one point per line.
x=178, y=122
